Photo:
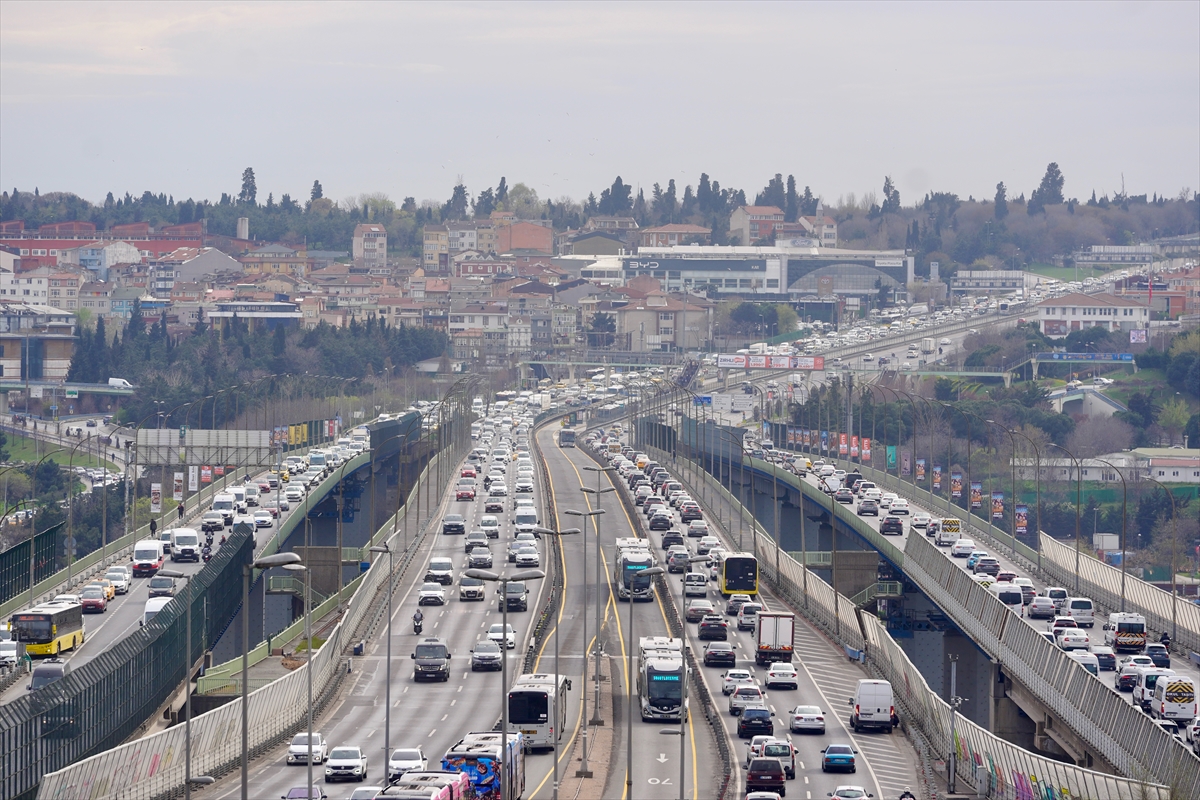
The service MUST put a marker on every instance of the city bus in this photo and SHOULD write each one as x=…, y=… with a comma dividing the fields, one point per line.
x=534, y=701
x=49, y=629
x=566, y=437
x=737, y=573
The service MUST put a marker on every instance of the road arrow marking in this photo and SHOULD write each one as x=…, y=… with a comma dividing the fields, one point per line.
x=662, y=758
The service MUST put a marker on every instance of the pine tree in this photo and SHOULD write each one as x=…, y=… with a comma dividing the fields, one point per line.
x=317, y=192
x=1001, y=210
x=791, y=209
x=249, y=193
x=137, y=325
x=501, y=190
x=891, y=197
x=1050, y=190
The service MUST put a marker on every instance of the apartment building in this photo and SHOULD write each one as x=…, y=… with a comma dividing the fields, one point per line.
x=753, y=224
x=369, y=246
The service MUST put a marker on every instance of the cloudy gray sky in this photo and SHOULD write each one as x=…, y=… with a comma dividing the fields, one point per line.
x=403, y=98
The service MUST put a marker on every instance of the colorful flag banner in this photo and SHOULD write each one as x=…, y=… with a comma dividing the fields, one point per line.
x=920, y=469
x=843, y=446
x=206, y=474
x=997, y=505
x=854, y=447
x=156, y=498
x=891, y=456
x=956, y=484
x=193, y=479
x=937, y=477
x=866, y=449
x=177, y=494
x=824, y=440
x=1022, y=519
x=976, y=494
x=906, y=463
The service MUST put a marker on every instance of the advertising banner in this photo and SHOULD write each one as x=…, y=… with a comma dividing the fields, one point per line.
x=891, y=456
x=866, y=449
x=1138, y=336
x=730, y=361
x=937, y=477
x=956, y=484
x=806, y=438
x=843, y=444
x=920, y=469
x=746, y=361
x=1022, y=519
x=824, y=440
x=218, y=471
x=193, y=479
x=976, y=494
x=854, y=447
x=177, y=492
x=156, y=498
x=1055, y=327
x=906, y=463
x=997, y=505
x=206, y=475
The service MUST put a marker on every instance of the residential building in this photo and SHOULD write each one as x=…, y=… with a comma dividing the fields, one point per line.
x=467, y=344
x=1187, y=283
x=478, y=316
x=1060, y=315
x=823, y=228
x=369, y=246
x=525, y=237
x=10, y=258
x=435, y=255
x=256, y=315
x=671, y=235
x=25, y=287
x=100, y=257
x=595, y=243
x=660, y=322
x=610, y=224
x=36, y=341
x=94, y=295
x=475, y=264
x=520, y=334
x=275, y=258
x=63, y=290
x=754, y=224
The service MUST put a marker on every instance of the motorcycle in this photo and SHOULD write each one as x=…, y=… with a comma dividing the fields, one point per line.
x=417, y=626
x=206, y=554
x=222, y=538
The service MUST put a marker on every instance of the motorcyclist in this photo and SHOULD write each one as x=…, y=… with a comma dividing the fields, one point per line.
x=418, y=619
x=907, y=794
x=1165, y=639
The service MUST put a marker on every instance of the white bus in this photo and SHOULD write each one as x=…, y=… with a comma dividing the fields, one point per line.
x=537, y=706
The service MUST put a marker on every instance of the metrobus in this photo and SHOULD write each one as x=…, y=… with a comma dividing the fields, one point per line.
x=49, y=629
x=566, y=437
x=537, y=706
x=737, y=573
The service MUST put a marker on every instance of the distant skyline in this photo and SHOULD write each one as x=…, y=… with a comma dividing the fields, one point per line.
x=403, y=98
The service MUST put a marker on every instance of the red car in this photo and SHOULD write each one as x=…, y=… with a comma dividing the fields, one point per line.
x=93, y=601
x=465, y=493
x=264, y=487
x=468, y=472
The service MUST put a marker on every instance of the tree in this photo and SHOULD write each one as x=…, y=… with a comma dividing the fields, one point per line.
x=1049, y=191
x=774, y=194
x=1191, y=431
x=317, y=192
x=456, y=206
x=1095, y=436
x=601, y=330
x=891, y=197
x=1173, y=418
x=249, y=193
x=501, y=190
x=485, y=204
x=791, y=208
x=1001, y=209
x=616, y=201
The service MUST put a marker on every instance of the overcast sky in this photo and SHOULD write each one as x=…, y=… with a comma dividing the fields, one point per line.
x=403, y=98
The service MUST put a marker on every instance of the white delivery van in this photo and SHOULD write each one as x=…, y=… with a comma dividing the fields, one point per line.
x=695, y=584
x=525, y=520
x=251, y=492
x=1086, y=660
x=1175, y=699
x=153, y=606
x=1143, y=688
x=1009, y=594
x=945, y=538
x=147, y=557
x=185, y=544
x=874, y=706
x=1082, y=610
x=239, y=498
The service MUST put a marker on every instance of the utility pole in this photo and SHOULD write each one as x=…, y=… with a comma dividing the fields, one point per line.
x=955, y=702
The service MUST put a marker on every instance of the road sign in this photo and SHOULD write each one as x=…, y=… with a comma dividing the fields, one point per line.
x=54, y=408
x=72, y=394
x=183, y=429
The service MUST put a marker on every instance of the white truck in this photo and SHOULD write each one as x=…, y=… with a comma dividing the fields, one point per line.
x=774, y=637
x=928, y=346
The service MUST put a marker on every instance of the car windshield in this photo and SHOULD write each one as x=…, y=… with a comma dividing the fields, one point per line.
x=406, y=755
x=431, y=651
x=756, y=713
x=487, y=647
x=838, y=750
x=93, y=594
x=302, y=738
x=345, y=752
x=850, y=794
x=431, y=587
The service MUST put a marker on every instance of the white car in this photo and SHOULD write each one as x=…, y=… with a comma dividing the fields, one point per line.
x=899, y=506
x=500, y=635
x=346, y=763
x=524, y=485
x=294, y=494
x=919, y=520
x=119, y=580
x=962, y=548
x=528, y=558
x=405, y=759
x=263, y=519
x=807, y=718
x=490, y=525
x=1073, y=639
x=706, y=545
x=887, y=498
x=431, y=594
x=850, y=793
x=734, y=678
x=782, y=673
x=498, y=490
x=298, y=749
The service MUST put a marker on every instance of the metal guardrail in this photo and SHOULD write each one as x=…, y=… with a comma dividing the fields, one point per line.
x=886, y=588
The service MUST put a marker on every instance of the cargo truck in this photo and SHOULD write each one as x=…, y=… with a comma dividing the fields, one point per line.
x=774, y=637
x=928, y=346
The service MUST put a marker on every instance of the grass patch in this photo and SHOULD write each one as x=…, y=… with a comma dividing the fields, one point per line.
x=29, y=450
x=303, y=644
x=1125, y=385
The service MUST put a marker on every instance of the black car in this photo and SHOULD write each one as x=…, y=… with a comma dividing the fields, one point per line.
x=868, y=507
x=1127, y=680
x=766, y=774
x=661, y=522
x=1159, y=654
x=454, y=523
x=433, y=660
x=719, y=654
x=714, y=627
x=689, y=513
x=671, y=537
x=891, y=524
x=754, y=721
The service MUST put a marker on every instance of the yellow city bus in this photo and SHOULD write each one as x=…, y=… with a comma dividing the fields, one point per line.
x=49, y=629
x=737, y=573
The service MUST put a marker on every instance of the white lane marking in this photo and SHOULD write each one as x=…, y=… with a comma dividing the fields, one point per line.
x=431, y=733
x=443, y=719
x=460, y=688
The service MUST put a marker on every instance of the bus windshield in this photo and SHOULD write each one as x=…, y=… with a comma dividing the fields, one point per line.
x=31, y=627
x=633, y=577
x=528, y=707
x=665, y=686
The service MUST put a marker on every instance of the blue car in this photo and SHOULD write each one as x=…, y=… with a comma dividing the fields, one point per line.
x=973, y=559
x=838, y=757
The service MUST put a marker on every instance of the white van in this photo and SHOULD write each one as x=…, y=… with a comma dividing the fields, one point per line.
x=1087, y=660
x=1009, y=594
x=1175, y=699
x=153, y=606
x=239, y=499
x=874, y=706
x=1143, y=689
x=525, y=520
x=945, y=538
x=1082, y=610
x=185, y=544
x=695, y=584
x=251, y=492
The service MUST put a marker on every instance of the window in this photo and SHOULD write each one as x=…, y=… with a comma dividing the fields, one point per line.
x=772, y=283
x=666, y=317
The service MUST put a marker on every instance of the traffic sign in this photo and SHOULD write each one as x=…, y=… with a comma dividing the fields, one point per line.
x=54, y=408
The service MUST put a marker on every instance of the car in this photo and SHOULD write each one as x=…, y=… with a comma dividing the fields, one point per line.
x=698, y=609
x=486, y=655
x=119, y=579
x=406, y=759
x=850, y=793
x=783, y=751
x=734, y=678
x=1136, y=660
x=747, y=615
x=987, y=565
x=346, y=763
x=1041, y=608
x=465, y=489
x=973, y=559
x=697, y=528
x=754, y=747
x=313, y=792
x=690, y=512
x=273, y=508
x=479, y=558
x=867, y=506
x=719, y=654
x=499, y=633
x=887, y=498
x=743, y=696
x=1106, y=659
x=490, y=525
x=735, y=604
x=755, y=720
x=498, y=490
x=212, y=521
x=921, y=520
x=454, y=523
x=844, y=495
x=528, y=557
x=839, y=757
x=706, y=545
x=294, y=494
x=1159, y=654
x=468, y=472
x=766, y=773
x=105, y=585
x=962, y=548
x=782, y=674
x=493, y=505
x=431, y=594
x=891, y=524
x=1069, y=639
x=263, y=518
x=162, y=587
x=807, y=719
x=476, y=538
x=661, y=521
x=712, y=626
x=900, y=506
x=524, y=485
x=94, y=601
x=298, y=750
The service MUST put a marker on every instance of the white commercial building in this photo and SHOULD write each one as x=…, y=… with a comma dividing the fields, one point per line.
x=1059, y=316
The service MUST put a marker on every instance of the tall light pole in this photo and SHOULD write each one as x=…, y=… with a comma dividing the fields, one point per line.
x=596, y=720
x=276, y=560
x=649, y=574
x=1124, y=518
x=387, y=710
x=1038, y=500
x=583, y=771
x=1078, y=503
x=524, y=575
x=554, y=702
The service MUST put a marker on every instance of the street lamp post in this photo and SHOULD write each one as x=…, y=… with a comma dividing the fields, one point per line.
x=648, y=573
x=488, y=575
x=1078, y=503
x=583, y=771
x=387, y=711
x=276, y=560
x=596, y=720
x=1124, y=508
x=557, y=673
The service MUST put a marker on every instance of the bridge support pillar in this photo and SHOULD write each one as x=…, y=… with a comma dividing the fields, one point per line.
x=1007, y=380
x=1009, y=722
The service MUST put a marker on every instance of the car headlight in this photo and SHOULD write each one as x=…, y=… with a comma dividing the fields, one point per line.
x=357, y=770
x=328, y=771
